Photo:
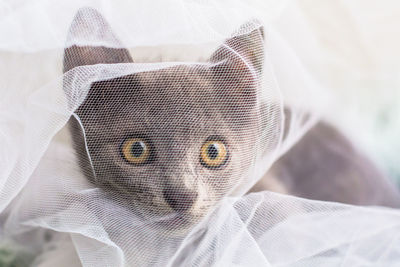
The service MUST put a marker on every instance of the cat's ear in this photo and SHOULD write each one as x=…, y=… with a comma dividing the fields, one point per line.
x=244, y=52
x=238, y=65
x=89, y=26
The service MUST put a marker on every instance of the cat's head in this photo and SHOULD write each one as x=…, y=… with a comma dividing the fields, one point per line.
x=170, y=142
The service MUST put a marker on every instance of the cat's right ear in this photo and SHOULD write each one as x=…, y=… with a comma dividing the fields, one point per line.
x=89, y=26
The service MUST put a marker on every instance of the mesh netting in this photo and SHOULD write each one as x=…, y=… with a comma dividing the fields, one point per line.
x=196, y=138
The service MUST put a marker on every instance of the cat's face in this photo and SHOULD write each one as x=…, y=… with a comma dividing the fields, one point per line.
x=171, y=142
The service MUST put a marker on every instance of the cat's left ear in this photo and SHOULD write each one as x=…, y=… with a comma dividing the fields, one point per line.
x=237, y=67
x=89, y=26
x=242, y=54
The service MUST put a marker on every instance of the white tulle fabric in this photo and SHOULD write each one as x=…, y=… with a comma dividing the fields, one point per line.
x=51, y=215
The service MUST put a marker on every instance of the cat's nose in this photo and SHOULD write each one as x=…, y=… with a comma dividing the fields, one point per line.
x=180, y=200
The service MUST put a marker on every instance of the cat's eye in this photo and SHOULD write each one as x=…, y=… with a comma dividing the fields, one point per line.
x=213, y=154
x=136, y=150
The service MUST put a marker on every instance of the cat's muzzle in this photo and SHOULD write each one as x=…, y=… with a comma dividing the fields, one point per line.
x=180, y=200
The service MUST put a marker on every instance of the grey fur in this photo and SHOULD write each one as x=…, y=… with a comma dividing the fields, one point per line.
x=324, y=165
x=178, y=108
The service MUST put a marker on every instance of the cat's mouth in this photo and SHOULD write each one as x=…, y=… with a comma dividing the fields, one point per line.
x=175, y=212
x=178, y=222
x=175, y=224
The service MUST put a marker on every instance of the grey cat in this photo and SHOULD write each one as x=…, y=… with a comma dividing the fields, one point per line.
x=176, y=140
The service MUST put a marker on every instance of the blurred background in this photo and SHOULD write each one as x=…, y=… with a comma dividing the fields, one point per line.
x=352, y=48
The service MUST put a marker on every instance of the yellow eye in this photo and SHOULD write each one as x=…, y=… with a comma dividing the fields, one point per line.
x=213, y=154
x=136, y=150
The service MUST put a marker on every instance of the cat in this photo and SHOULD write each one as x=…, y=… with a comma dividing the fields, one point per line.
x=174, y=141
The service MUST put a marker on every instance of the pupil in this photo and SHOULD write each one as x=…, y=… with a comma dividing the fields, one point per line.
x=137, y=149
x=212, y=151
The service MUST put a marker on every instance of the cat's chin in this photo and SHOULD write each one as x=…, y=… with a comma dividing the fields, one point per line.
x=177, y=224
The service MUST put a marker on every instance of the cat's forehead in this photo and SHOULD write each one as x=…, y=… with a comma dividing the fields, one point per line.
x=178, y=88
x=168, y=104
x=181, y=96
x=177, y=84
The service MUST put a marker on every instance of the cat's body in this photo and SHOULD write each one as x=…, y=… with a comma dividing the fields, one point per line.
x=324, y=165
x=141, y=136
